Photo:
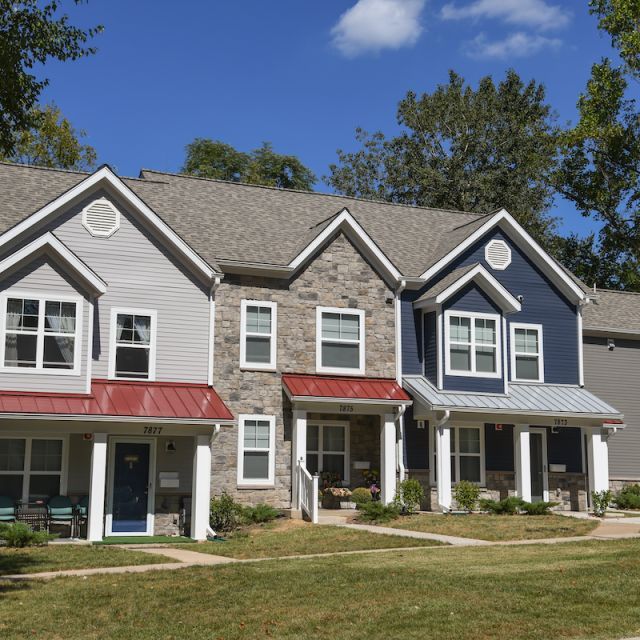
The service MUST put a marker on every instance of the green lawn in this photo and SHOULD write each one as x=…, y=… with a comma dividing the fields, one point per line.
x=68, y=556
x=584, y=590
x=286, y=538
x=489, y=527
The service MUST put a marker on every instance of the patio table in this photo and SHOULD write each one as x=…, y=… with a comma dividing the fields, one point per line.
x=34, y=514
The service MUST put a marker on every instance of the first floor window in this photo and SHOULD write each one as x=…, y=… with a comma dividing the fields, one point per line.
x=258, y=323
x=31, y=468
x=40, y=333
x=467, y=454
x=526, y=352
x=340, y=340
x=472, y=344
x=133, y=342
x=327, y=450
x=256, y=464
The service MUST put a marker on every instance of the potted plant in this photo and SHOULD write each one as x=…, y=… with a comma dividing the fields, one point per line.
x=336, y=498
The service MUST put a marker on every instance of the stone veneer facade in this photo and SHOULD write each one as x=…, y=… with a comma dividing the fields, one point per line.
x=338, y=276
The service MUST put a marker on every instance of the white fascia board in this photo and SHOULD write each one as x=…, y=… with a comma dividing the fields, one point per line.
x=479, y=274
x=369, y=401
x=106, y=175
x=540, y=256
x=124, y=419
x=49, y=243
x=344, y=221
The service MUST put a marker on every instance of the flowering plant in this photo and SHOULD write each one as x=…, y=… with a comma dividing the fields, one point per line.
x=370, y=476
x=330, y=479
x=375, y=492
x=337, y=492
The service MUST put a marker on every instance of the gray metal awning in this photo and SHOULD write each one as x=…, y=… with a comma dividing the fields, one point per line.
x=551, y=400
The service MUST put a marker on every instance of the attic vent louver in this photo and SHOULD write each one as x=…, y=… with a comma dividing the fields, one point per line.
x=497, y=254
x=101, y=218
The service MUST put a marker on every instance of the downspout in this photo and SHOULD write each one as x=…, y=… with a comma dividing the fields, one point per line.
x=400, y=414
x=444, y=419
x=212, y=328
x=216, y=432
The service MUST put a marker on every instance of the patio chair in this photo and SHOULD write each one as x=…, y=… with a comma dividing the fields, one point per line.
x=60, y=511
x=7, y=509
x=82, y=512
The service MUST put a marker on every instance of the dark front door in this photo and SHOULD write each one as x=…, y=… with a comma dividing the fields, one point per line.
x=536, y=444
x=130, y=487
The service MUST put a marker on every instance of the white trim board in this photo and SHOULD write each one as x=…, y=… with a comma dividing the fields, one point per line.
x=360, y=370
x=512, y=350
x=113, y=328
x=273, y=335
x=269, y=481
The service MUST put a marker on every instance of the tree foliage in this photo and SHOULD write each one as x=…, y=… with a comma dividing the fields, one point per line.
x=52, y=142
x=215, y=159
x=31, y=33
x=462, y=148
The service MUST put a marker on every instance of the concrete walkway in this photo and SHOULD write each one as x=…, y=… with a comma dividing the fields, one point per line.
x=418, y=535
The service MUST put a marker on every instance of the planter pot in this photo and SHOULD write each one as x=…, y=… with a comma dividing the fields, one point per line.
x=335, y=502
x=347, y=505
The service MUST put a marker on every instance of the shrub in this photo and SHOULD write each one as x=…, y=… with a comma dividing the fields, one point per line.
x=409, y=496
x=19, y=534
x=378, y=512
x=629, y=497
x=538, y=508
x=225, y=514
x=361, y=495
x=601, y=501
x=466, y=495
x=260, y=513
x=506, y=506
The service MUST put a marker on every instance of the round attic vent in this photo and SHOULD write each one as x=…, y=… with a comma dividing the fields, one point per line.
x=497, y=254
x=101, y=218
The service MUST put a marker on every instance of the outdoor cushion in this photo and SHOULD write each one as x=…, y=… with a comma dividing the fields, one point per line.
x=7, y=509
x=60, y=508
x=83, y=506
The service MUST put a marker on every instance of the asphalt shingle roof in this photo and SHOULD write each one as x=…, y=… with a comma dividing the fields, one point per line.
x=614, y=311
x=446, y=282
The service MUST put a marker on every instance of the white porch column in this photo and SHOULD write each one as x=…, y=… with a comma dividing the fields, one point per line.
x=201, y=488
x=443, y=466
x=388, y=458
x=598, y=453
x=298, y=453
x=97, y=485
x=522, y=461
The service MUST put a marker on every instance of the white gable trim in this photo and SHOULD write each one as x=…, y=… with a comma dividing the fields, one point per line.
x=50, y=243
x=345, y=222
x=105, y=174
x=484, y=279
x=535, y=251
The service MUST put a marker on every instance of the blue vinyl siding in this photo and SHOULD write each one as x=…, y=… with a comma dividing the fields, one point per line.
x=430, y=348
x=498, y=447
x=565, y=447
x=416, y=443
x=412, y=352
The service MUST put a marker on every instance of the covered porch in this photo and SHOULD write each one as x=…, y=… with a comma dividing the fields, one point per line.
x=121, y=462
x=539, y=442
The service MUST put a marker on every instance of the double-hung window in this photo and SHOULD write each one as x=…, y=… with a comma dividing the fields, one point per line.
x=31, y=468
x=472, y=344
x=258, y=335
x=41, y=333
x=328, y=449
x=527, y=361
x=339, y=340
x=467, y=454
x=133, y=344
x=256, y=450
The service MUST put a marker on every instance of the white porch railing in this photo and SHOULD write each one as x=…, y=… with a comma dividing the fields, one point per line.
x=307, y=492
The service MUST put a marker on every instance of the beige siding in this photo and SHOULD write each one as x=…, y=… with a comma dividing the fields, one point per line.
x=614, y=375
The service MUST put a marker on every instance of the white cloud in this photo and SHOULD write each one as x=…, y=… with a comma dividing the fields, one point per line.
x=372, y=25
x=530, y=13
x=517, y=45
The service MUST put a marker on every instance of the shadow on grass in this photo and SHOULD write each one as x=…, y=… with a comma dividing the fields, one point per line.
x=13, y=561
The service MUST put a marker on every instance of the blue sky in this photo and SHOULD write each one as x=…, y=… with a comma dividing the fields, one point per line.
x=299, y=73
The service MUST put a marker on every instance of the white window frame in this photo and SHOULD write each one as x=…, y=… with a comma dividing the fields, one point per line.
x=456, y=455
x=42, y=298
x=472, y=344
x=26, y=472
x=153, y=314
x=253, y=482
x=346, y=479
x=532, y=327
x=361, y=342
x=244, y=334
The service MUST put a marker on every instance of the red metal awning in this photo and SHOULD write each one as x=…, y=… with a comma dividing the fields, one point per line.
x=381, y=390
x=124, y=399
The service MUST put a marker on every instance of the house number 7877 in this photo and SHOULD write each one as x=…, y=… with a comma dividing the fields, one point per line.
x=153, y=431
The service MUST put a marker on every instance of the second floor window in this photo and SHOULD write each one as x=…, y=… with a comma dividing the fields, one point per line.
x=340, y=340
x=526, y=353
x=258, y=344
x=40, y=334
x=132, y=354
x=472, y=344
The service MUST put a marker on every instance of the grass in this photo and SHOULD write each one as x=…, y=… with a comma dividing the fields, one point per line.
x=293, y=537
x=589, y=589
x=145, y=540
x=490, y=527
x=60, y=557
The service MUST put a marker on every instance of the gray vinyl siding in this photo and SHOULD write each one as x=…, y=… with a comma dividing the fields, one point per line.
x=614, y=376
x=42, y=276
x=141, y=274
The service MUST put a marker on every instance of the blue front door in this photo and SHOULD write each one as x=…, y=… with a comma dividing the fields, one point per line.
x=130, y=502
